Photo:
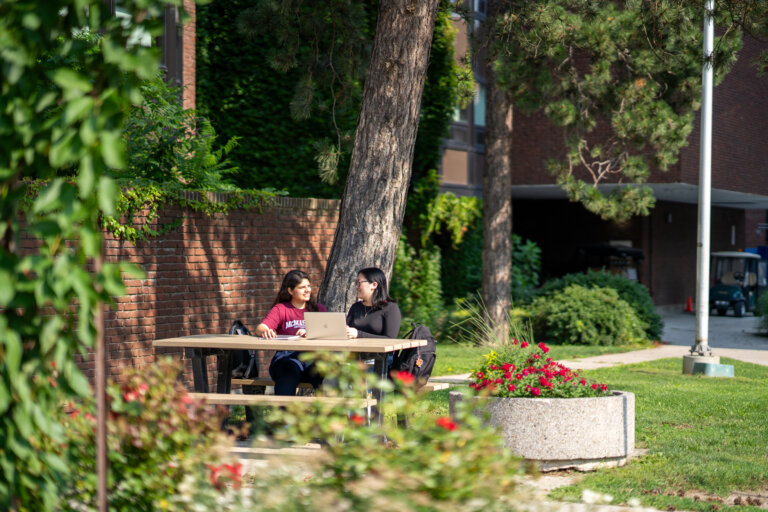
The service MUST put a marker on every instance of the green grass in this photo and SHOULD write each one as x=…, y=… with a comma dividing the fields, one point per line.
x=703, y=434
x=454, y=359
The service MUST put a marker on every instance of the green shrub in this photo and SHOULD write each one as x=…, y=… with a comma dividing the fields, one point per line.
x=586, y=316
x=416, y=285
x=168, y=143
x=762, y=311
x=165, y=450
x=630, y=291
x=436, y=464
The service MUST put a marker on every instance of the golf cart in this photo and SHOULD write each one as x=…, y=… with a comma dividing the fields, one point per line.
x=740, y=278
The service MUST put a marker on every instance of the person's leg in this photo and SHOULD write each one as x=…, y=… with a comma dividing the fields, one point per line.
x=311, y=375
x=286, y=373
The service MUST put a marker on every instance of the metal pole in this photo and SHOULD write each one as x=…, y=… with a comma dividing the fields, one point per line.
x=101, y=403
x=705, y=186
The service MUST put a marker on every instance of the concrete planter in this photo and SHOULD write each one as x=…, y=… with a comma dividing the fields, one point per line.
x=558, y=433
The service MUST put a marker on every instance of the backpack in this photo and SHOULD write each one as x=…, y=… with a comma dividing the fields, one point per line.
x=417, y=361
x=244, y=365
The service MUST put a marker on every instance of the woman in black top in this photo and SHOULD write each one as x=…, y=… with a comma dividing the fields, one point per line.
x=375, y=315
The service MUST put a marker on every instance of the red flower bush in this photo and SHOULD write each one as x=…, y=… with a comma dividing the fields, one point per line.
x=524, y=370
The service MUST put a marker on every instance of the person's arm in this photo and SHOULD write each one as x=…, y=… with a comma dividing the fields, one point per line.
x=352, y=332
x=268, y=327
x=391, y=318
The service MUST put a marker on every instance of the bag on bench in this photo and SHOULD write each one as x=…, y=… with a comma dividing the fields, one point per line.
x=417, y=361
x=244, y=365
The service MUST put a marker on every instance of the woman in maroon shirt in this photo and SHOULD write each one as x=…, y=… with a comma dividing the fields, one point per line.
x=287, y=317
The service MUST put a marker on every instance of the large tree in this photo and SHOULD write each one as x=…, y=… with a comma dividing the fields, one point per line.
x=373, y=204
x=497, y=192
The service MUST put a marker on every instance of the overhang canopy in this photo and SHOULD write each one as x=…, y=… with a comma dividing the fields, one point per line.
x=673, y=192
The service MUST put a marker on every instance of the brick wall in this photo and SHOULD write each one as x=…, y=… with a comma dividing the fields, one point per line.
x=209, y=272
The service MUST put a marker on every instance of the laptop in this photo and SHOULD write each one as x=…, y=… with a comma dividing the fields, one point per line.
x=325, y=326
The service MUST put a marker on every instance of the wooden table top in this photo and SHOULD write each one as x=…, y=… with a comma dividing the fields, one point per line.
x=238, y=341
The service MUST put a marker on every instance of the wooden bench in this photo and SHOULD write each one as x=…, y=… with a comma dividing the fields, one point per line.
x=426, y=388
x=275, y=400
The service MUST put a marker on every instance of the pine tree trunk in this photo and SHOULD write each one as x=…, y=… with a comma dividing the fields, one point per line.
x=497, y=208
x=373, y=203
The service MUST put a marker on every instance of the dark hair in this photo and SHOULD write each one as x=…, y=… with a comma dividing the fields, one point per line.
x=291, y=280
x=380, y=294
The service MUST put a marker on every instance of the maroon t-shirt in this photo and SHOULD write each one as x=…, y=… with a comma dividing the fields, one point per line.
x=285, y=318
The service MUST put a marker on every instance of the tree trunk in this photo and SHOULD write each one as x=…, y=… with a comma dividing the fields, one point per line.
x=373, y=203
x=497, y=205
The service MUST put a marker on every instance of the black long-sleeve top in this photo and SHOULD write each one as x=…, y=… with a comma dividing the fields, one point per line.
x=375, y=323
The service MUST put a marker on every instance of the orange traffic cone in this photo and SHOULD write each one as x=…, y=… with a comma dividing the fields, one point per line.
x=689, y=305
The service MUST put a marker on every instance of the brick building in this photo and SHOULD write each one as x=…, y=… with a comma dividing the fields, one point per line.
x=667, y=238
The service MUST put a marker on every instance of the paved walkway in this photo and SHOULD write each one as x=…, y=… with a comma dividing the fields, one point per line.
x=735, y=338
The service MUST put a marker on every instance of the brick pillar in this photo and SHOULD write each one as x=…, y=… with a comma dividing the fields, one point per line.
x=188, y=55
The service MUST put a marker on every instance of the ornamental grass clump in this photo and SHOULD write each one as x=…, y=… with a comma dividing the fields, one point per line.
x=524, y=370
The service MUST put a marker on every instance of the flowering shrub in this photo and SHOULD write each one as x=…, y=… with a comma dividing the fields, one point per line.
x=166, y=450
x=524, y=370
x=435, y=463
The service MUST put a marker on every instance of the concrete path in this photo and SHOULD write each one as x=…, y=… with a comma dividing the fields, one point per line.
x=735, y=338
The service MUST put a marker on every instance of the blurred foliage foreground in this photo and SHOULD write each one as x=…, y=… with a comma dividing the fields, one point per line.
x=167, y=452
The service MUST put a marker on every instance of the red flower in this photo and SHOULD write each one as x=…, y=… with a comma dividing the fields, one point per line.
x=519, y=376
x=508, y=366
x=446, y=423
x=603, y=387
x=143, y=388
x=535, y=391
x=405, y=377
x=130, y=396
x=493, y=367
x=511, y=387
x=543, y=347
x=357, y=419
x=498, y=381
x=480, y=375
x=594, y=386
x=524, y=344
x=508, y=375
x=536, y=356
x=583, y=382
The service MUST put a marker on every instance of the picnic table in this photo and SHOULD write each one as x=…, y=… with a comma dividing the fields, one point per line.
x=199, y=346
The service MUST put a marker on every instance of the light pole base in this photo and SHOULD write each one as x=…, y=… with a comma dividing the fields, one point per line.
x=688, y=362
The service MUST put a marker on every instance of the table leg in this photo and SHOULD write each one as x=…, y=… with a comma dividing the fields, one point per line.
x=199, y=371
x=380, y=370
x=224, y=371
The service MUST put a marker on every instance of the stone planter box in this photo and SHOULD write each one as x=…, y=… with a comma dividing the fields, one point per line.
x=558, y=433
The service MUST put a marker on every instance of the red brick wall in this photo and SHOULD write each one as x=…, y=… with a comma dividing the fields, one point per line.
x=209, y=272
x=739, y=151
x=739, y=128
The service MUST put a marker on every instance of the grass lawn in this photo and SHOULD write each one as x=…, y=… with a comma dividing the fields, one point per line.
x=702, y=434
x=453, y=359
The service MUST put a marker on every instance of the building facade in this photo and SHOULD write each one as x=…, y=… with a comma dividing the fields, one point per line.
x=667, y=237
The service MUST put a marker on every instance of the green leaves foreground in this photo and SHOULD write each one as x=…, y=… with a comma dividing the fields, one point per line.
x=63, y=107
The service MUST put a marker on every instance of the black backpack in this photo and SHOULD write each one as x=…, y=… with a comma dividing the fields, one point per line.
x=417, y=361
x=244, y=365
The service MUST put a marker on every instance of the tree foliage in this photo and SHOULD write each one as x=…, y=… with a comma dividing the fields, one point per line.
x=622, y=79
x=68, y=114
